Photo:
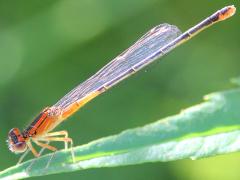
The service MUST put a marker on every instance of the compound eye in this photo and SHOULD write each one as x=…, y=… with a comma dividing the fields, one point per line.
x=16, y=142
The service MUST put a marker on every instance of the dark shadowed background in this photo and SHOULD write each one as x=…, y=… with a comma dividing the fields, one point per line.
x=48, y=47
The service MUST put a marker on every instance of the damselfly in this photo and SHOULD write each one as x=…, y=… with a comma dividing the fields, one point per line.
x=153, y=45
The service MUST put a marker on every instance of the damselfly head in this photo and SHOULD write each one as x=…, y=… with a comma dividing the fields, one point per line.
x=16, y=141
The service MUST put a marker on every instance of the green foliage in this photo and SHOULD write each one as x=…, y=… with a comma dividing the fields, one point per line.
x=207, y=129
x=48, y=47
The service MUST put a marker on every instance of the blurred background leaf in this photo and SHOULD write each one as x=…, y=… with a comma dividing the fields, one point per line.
x=48, y=47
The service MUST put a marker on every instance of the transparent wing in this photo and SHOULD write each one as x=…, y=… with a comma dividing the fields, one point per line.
x=144, y=51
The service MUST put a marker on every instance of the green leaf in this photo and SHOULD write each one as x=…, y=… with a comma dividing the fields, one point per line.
x=208, y=129
x=236, y=80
